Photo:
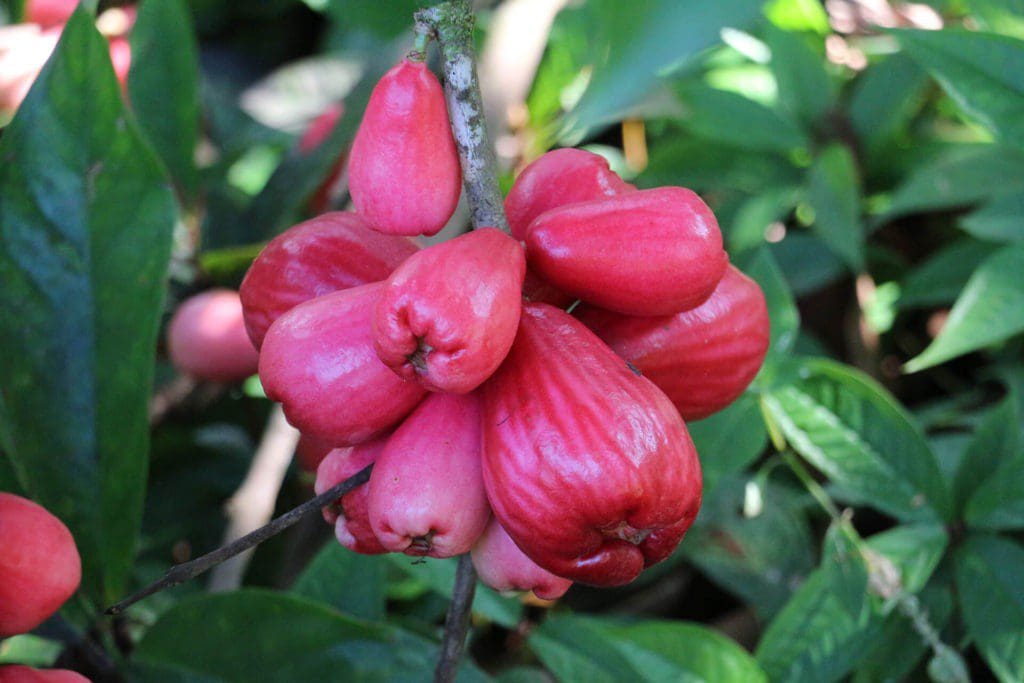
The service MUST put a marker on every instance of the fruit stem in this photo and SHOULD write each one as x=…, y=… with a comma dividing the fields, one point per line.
x=451, y=23
x=456, y=623
x=181, y=573
x=419, y=46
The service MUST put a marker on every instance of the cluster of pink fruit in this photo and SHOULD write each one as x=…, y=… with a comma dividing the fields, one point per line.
x=39, y=570
x=552, y=447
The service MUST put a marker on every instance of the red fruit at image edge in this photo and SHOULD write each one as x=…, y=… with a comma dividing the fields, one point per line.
x=318, y=361
x=23, y=674
x=426, y=492
x=650, y=252
x=404, y=173
x=325, y=254
x=702, y=359
x=560, y=177
x=206, y=338
x=48, y=13
x=587, y=465
x=349, y=514
x=501, y=565
x=39, y=565
x=448, y=315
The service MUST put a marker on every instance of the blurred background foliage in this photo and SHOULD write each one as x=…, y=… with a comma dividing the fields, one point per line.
x=864, y=501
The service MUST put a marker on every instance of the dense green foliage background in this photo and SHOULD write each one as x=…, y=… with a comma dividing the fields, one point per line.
x=864, y=500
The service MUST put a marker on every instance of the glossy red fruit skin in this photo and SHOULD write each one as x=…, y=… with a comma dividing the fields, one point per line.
x=404, y=173
x=318, y=361
x=501, y=565
x=448, y=315
x=702, y=359
x=39, y=565
x=325, y=254
x=426, y=492
x=16, y=673
x=650, y=252
x=560, y=177
x=206, y=338
x=587, y=465
x=349, y=514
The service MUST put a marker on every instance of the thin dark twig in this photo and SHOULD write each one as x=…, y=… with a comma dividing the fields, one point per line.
x=181, y=573
x=456, y=624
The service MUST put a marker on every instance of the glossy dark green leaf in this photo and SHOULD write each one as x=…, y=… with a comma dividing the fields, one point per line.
x=991, y=591
x=833, y=192
x=982, y=72
x=806, y=262
x=87, y=216
x=999, y=220
x=351, y=583
x=257, y=635
x=819, y=636
x=853, y=431
x=759, y=555
x=163, y=86
x=736, y=120
x=705, y=165
x=439, y=576
x=994, y=443
x=782, y=311
x=940, y=278
x=805, y=89
x=749, y=227
x=729, y=440
x=989, y=310
x=638, y=40
x=576, y=648
x=915, y=549
x=960, y=176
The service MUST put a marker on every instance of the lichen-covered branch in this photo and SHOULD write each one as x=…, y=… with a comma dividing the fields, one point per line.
x=451, y=24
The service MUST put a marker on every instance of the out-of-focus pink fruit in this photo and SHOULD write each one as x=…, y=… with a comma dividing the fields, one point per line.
x=15, y=673
x=49, y=13
x=206, y=338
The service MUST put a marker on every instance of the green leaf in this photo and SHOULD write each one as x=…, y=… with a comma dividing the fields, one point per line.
x=1000, y=16
x=29, y=650
x=989, y=310
x=439, y=576
x=991, y=591
x=940, y=278
x=759, y=557
x=834, y=193
x=807, y=263
x=729, y=440
x=818, y=636
x=982, y=72
x=961, y=176
x=885, y=98
x=163, y=85
x=915, y=549
x=351, y=583
x=87, y=218
x=256, y=635
x=636, y=41
x=994, y=442
x=736, y=120
x=999, y=220
x=705, y=165
x=804, y=87
x=748, y=228
x=854, y=432
x=782, y=311
x=798, y=15
x=576, y=648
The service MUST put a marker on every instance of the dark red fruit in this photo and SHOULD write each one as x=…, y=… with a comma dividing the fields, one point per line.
x=651, y=252
x=448, y=315
x=328, y=253
x=560, y=177
x=318, y=361
x=702, y=359
x=587, y=465
x=404, y=172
